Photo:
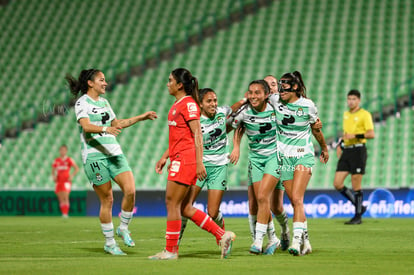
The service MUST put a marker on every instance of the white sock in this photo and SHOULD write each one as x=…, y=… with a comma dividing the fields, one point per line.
x=283, y=221
x=305, y=230
x=261, y=229
x=125, y=218
x=252, y=224
x=298, y=230
x=108, y=232
x=219, y=219
x=271, y=231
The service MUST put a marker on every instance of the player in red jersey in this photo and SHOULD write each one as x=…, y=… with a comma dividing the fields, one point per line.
x=61, y=176
x=186, y=156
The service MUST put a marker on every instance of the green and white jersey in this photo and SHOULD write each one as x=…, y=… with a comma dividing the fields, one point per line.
x=260, y=129
x=216, y=149
x=96, y=145
x=294, y=131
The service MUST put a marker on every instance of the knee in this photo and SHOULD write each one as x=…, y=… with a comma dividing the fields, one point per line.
x=262, y=199
x=297, y=201
x=107, y=200
x=130, y=195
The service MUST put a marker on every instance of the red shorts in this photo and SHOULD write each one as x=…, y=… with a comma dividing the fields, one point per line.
x=63, y=186
x=183, y=168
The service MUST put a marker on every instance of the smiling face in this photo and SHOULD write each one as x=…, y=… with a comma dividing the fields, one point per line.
x=209, y=104
x=98, y=83
x=272, y=81
x=257, y=96
x=288, y=96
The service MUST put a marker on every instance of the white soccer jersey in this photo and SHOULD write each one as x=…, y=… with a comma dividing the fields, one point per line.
x=294, y=119
x=96, y=145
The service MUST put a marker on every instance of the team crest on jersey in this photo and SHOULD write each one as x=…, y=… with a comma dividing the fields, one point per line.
x=220, y=120
x=273, y=117
x=174, y=111
x=192, y=109
x=99, y=177
x=299, y=112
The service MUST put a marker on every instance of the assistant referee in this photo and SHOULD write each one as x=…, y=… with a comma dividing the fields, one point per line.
x=352, y=153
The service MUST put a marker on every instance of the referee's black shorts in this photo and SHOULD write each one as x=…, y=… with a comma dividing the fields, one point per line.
x=353, y=160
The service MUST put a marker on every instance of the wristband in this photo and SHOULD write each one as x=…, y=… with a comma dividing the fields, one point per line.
x=104, y=129
x=360, y=136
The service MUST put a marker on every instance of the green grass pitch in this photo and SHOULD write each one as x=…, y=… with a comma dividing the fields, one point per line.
x=52, y=245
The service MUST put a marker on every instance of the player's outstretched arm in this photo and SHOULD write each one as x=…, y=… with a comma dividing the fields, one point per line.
x=317, y=133
x=124, y=123
x=161, y=163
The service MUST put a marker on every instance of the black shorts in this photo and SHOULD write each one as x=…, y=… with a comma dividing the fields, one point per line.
x=353, y=160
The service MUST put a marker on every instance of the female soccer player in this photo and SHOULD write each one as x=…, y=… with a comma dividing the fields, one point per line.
x=214, y=127
x=259, y=120
x=186, y=156
x=102, y=155
x=63, y=178
x=296, y=118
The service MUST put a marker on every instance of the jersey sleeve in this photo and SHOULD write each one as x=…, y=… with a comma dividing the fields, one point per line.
x=226, y=110
x=111, y=112
x=81, y=109
x=368, y=124
x=70, y=162
x=313, y=113
x=190, y=111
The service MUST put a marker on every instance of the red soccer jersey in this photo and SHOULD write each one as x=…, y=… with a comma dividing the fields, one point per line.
x=181, y=138
x=63, y=168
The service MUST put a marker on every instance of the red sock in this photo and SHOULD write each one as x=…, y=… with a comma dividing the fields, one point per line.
x=172, y=235
x=64, y=208
x=205, y=222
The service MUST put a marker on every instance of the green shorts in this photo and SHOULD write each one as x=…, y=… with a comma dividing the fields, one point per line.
x=103, y=170
x=216, y=178
x=265, y=165
x=289, y=165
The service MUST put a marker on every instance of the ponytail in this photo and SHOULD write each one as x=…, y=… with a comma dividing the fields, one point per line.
x=301, y=84
x=81, y=84
x=190, y=82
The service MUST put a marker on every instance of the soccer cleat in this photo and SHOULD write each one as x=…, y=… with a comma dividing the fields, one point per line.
x=255, y=249
x=114, y=250
x=125, y=235
x=284, y=241
x=364, y=209
x=226, y=243
x=164, y=255
x=294, y=249
x=307, y=248
x=355, y=220
x=271, y=247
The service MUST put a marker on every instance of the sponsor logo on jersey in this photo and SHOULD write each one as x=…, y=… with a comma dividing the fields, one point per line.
x=192, y=109
x=175, y=166
x=95, y=109
x=172, y=123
